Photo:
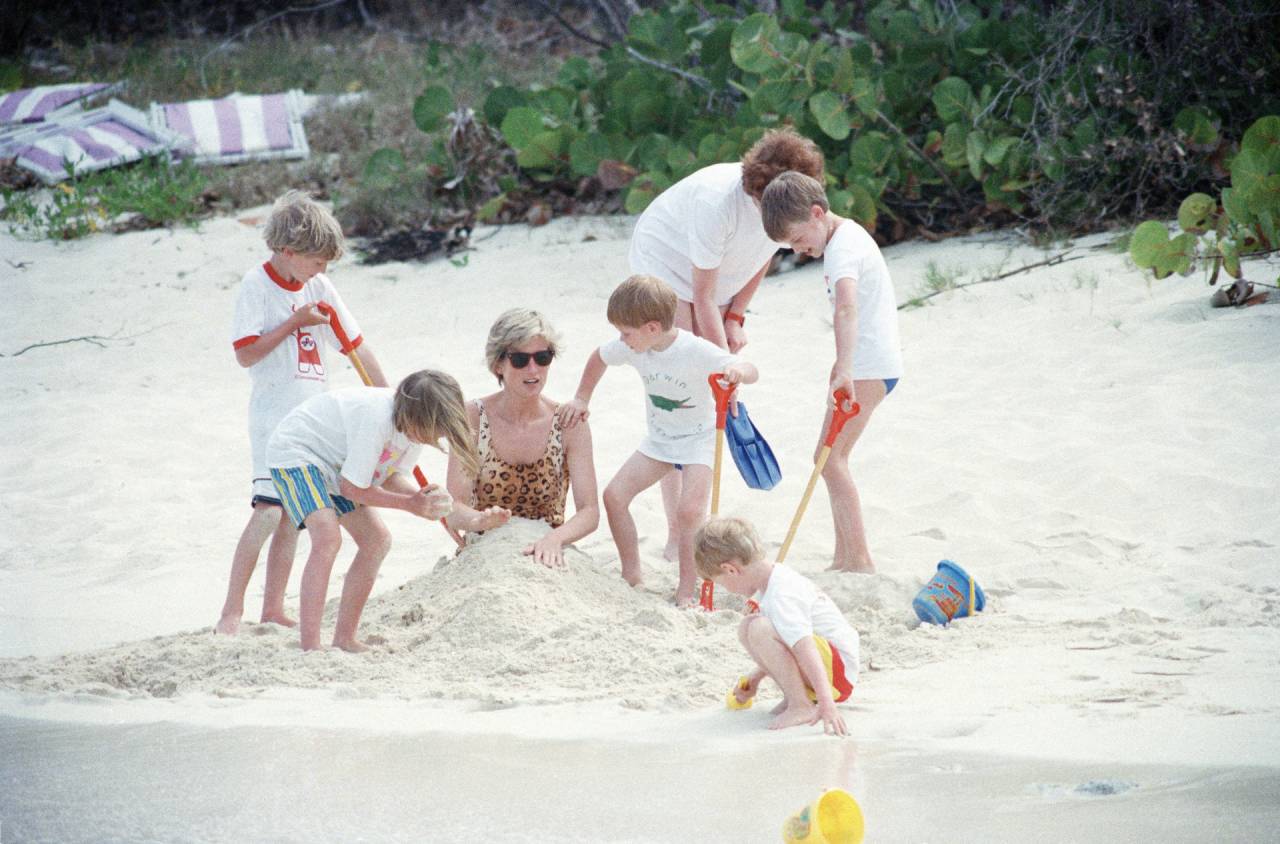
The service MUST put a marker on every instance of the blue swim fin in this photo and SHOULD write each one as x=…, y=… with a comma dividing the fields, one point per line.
x=751, y=454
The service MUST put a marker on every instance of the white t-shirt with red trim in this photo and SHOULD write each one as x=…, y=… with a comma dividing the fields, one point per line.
x=705, y=220
x=798, y=608
x=295, y=370
x=346, y=433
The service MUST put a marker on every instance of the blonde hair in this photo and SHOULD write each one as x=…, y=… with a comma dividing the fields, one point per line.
x=725, y=539
x=429, y=405
x=302, y=225
x=641, y=299
x=778, y=151
x=513, y=328
x=787, y=200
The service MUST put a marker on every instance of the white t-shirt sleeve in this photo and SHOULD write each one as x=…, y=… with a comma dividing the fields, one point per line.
x=844, y=264
x=790, y=613
x=708, y=235
x=251, y=309
x=710, y=357
x=366, y=437
x=616, y=353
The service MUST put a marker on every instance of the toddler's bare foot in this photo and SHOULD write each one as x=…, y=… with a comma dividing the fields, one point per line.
x=278, y=618
x=228, y=625
x=354, y=646
x=632, y=575
x=793, y=716
x=686, y=598
x=779, y=709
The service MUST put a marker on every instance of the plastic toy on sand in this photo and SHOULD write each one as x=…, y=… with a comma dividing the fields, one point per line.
x=951, y=594
x=834, y=818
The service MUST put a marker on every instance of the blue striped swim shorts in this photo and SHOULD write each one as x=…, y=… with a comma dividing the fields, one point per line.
x=303, y=492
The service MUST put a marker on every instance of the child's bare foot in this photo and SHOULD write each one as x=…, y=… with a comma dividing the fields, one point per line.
x=779, y=709
x=278, y=618
x=686, y=598
x=794, y=716
x=632, y=575
x=228, y=625
x=353, y=646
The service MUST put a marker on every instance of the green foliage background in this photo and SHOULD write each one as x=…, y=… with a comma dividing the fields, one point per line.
x=932, y=113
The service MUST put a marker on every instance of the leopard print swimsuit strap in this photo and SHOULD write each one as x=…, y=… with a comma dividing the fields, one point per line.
x=534, y=490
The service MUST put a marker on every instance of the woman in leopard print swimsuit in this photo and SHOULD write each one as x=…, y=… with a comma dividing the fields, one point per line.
x=528, y=462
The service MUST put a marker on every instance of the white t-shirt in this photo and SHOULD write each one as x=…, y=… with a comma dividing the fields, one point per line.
x=294, y=370
x=705, y=220
x=797, y=608
x=852, y=253
x=345, y=433
x=680, y=408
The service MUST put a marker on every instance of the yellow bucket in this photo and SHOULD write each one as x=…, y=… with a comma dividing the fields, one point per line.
x=834, y=818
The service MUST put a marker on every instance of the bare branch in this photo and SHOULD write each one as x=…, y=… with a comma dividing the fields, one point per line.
x=1060, y=258
x=554, y=11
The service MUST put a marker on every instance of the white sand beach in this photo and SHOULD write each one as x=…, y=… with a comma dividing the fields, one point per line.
x=1099, y=449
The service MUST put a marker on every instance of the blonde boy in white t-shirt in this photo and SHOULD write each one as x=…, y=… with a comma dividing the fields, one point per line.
x=868, y=355
x=674, y=366
x=279, y=335
x=798, y=637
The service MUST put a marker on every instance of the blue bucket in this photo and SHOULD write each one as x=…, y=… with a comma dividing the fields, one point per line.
x=949, y=595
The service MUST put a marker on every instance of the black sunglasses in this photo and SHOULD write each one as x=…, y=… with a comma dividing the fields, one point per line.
x=521, y=359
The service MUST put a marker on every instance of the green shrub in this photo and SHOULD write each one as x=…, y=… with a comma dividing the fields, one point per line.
x=930, y=113
x=1217, y=233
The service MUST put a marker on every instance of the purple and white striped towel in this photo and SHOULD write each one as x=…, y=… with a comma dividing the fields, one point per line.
x=31, y=105
x=239, y=127
x=87, y=141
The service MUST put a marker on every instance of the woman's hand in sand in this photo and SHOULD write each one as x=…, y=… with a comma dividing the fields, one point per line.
x=430, y=502
x=547, y=551
x=490, y=518
x=572, y=412
x=832, y=721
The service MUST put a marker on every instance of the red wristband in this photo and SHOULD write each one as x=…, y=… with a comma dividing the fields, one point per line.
x=738, y=318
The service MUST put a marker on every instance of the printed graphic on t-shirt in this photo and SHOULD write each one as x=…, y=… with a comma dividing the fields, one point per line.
x=664, y=403
x=387, y=462
x=309, y=365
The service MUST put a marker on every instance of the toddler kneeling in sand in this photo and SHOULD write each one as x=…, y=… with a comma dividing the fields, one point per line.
x=799, y=636
x=340, y=453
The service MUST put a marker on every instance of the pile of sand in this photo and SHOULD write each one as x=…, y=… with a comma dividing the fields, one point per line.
x=488, y=625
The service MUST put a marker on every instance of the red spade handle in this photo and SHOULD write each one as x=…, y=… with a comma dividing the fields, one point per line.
x=839, y=415
x=338, y=330
x=722, y=392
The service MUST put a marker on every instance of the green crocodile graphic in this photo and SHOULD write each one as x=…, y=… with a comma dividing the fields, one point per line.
x=664, y=403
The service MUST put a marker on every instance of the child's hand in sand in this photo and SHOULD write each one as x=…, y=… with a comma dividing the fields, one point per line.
x=490, y=518
x=309, y=315
x=547, y=551
x=572, y=412
x=832, y=721
x=430, y=502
